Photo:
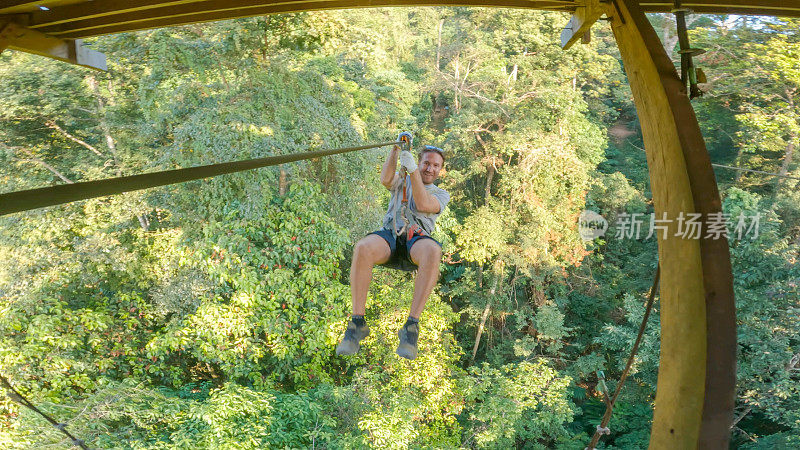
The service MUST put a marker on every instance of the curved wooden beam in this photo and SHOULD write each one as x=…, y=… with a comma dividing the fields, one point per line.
x=698, y=323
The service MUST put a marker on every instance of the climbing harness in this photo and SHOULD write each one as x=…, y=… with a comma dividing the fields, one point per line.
x=38, y=198
x=400, y=212
x=689, y=73
x=603, y=427
x=19, y=398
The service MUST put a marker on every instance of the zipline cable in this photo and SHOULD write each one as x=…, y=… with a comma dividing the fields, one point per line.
x=19, y=398
x=55, y=195
x=756, y=171
x=603, y=427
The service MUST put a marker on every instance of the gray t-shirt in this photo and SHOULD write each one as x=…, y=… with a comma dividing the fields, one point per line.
x=425, y=220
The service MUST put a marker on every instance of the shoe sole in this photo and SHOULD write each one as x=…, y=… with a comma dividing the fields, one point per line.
x=406, y=351
x=346, y=352
x=407, y=354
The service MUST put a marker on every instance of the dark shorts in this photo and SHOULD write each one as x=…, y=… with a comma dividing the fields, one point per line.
x=401, y=248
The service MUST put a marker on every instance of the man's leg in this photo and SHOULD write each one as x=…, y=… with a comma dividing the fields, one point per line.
x=367, y=253
x=427, y=255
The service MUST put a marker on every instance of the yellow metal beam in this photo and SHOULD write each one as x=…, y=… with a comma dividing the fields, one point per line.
x=17, y=37
x=586, y=14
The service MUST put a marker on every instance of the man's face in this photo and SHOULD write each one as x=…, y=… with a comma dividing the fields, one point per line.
x=430, y=164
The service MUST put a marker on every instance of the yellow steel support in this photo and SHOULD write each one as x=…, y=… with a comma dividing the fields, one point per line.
x=696, y=378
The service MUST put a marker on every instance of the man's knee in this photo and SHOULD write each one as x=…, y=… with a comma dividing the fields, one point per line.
x=426, y=251
x=370, y=249
x=363, y=249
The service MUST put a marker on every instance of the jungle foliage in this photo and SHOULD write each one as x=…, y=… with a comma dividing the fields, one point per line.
x=205, y=314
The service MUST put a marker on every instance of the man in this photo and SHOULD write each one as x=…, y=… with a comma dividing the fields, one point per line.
x=405, y=241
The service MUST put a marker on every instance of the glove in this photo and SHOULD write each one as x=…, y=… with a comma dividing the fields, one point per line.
x=407, y=161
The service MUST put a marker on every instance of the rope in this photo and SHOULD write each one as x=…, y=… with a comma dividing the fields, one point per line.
x=756, y=171
x=55, y=195
x=19, y=398
x=603, y=427
x=402, y=208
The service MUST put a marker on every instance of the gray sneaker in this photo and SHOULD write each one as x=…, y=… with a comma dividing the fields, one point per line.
x=409, y=335
x=352, y=336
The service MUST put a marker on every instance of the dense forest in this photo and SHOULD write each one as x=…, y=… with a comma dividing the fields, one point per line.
x=206, y=314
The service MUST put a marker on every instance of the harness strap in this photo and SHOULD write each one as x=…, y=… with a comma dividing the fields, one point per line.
x=405, y=143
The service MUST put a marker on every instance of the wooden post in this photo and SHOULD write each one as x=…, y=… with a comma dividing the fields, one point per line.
x=697, y=370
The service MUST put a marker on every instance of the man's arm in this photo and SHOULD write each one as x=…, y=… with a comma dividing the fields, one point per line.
x=423, y=199
x=388, y=174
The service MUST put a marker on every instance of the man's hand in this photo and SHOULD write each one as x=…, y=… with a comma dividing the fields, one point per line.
x=407, y=161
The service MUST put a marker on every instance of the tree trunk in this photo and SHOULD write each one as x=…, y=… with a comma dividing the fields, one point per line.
x=439, y=45
x=265, y=48
x=484, y=316
x=283, y=182
x=37, y=160
x=222, y=73
x=737, y=176
x=110, y=143
x=490, y=170
x=144, y=221
x=790, y=146
x=741, y=416
x=787, y=157
x=456, y=81
x=53, y=125
x=668, y=38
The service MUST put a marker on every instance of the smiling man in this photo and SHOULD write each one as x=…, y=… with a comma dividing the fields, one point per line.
x=404, y=242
